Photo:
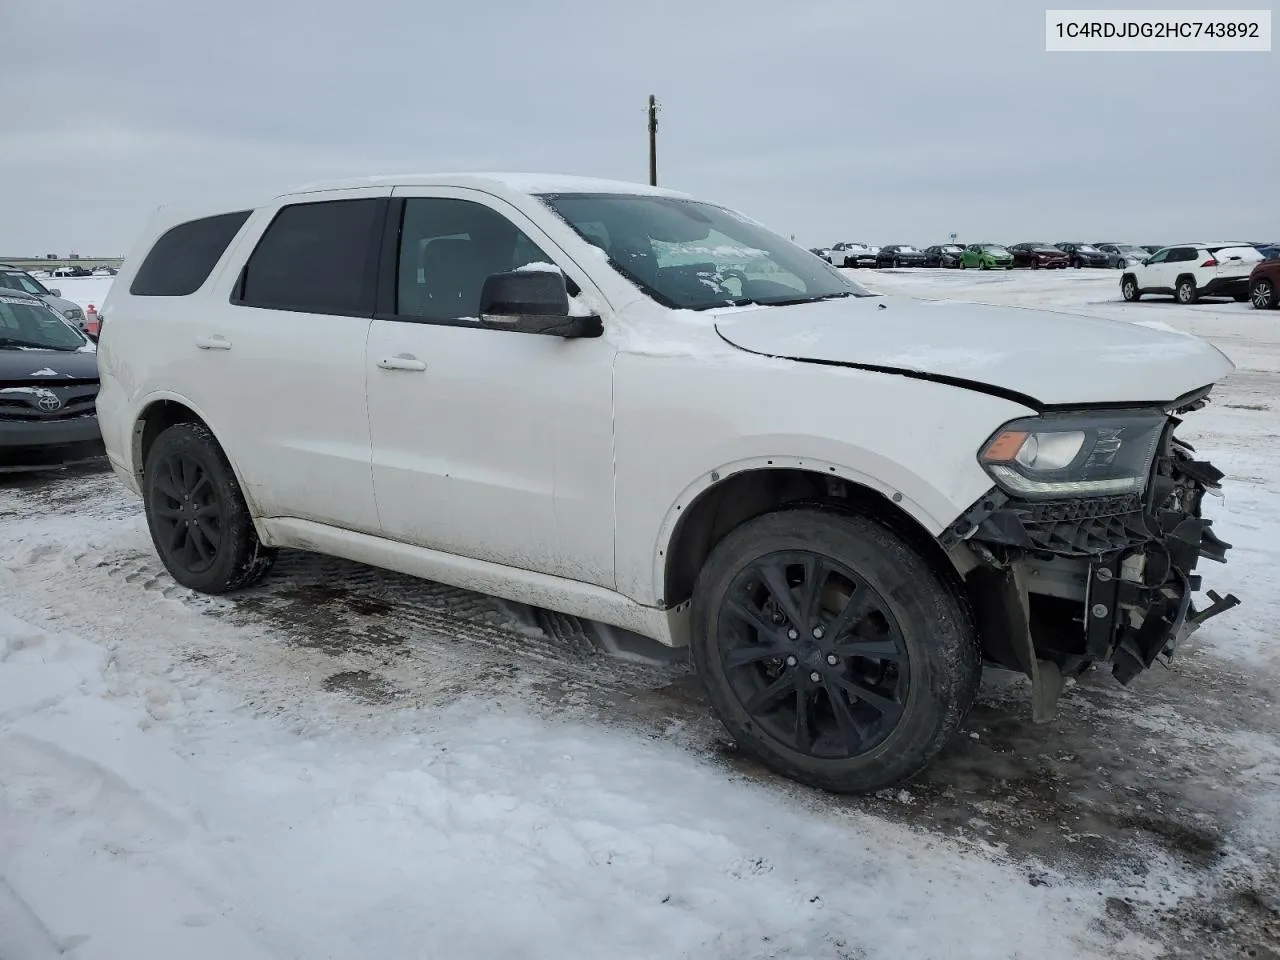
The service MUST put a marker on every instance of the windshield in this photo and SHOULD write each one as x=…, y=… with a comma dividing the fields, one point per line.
x=27, y=324
x=17, y=280
x=691, y=255
x=994, y=248
x=1087, y=248
x=1130, y=248
x=906, y=248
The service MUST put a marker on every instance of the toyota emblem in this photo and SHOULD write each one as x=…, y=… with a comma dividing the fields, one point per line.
x=48, y=401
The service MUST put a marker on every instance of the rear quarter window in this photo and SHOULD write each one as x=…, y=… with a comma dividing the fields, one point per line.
x=184, y=256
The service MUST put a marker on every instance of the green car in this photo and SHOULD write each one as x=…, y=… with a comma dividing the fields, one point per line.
x=986, y=256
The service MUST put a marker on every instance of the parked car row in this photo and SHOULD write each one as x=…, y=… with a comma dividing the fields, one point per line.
x=994, y=256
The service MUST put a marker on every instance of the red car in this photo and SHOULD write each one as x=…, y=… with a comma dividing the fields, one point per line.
x=1039, y=255
x=1264, y=285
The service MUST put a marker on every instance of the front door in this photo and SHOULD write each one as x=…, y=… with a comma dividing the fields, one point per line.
x=487, y=444
x=1156, y=273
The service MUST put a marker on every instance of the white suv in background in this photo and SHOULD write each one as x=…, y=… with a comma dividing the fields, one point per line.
x=636, y=408
x=1189, y=271
x=847, y=254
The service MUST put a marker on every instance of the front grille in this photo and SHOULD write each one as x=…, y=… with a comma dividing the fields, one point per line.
x=77, y=402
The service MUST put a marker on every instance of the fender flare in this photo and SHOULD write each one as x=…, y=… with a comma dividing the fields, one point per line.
x=135, y=442
x=717, y=475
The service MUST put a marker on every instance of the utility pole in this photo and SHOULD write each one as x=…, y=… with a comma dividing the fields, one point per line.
x=653, y=141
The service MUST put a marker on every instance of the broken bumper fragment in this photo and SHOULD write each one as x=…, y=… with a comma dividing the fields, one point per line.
x=1060, y=584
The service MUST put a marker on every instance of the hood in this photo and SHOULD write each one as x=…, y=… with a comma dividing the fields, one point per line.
x=1038, y=358
x=62, y=304
x=46, y=367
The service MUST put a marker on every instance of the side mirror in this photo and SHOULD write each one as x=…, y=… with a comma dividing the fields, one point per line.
x=54, y=292
x=533, y=301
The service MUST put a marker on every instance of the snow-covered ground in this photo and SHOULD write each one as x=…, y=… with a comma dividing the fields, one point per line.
x=348, y=764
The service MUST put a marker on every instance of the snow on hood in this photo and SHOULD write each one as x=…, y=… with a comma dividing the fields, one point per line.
x=1055, y=359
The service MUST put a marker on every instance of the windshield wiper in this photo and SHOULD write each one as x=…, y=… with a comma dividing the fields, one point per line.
x=792, y=301
x=15, y=342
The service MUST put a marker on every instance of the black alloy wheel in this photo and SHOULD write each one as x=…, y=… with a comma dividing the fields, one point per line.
x=830, y=650
x=187, y=514
x=199, y=521
x=814, y=654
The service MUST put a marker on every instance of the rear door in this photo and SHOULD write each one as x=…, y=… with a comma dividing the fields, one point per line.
x=280, y=359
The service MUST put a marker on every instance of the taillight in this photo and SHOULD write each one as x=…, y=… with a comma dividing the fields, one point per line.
x=1210, y=263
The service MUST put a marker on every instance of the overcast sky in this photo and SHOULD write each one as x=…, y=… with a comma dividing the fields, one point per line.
x=830, y=119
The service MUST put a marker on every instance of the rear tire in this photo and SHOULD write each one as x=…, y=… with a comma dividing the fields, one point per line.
x=1185, y=292
x=1129, y=289
x=831, y=651
x=198, y=518
x=1263, y=295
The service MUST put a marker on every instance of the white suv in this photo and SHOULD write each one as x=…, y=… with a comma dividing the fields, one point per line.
x=635, y=408
x=1189, y=271
x=847, y=254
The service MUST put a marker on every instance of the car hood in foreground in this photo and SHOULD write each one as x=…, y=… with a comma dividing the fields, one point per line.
x=46, y=366
x=61, y=304
x=1040, y=358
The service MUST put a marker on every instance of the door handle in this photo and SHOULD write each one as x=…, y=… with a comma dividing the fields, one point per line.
x=402, y=361
x=216, y=342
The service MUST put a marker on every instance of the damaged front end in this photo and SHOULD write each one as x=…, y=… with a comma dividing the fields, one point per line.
x=1086, y=549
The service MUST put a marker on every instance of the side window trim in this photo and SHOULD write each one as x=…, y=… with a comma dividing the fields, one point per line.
x=389, y=264
x=371, y=265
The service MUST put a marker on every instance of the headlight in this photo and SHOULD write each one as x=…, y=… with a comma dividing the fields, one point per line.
x=1074, y=455
x=73, y=314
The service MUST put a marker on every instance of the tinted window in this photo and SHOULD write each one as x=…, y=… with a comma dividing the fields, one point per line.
x=317, y=258
x=1181, y=254
x=448, y=248
x=182, y=259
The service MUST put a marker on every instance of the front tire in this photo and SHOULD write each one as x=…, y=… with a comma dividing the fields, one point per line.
x=1263, y=295
x=831, y=650
x=1129, y=289
x=198, y=518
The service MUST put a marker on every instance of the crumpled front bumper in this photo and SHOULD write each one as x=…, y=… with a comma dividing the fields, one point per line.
x=1071, y=582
